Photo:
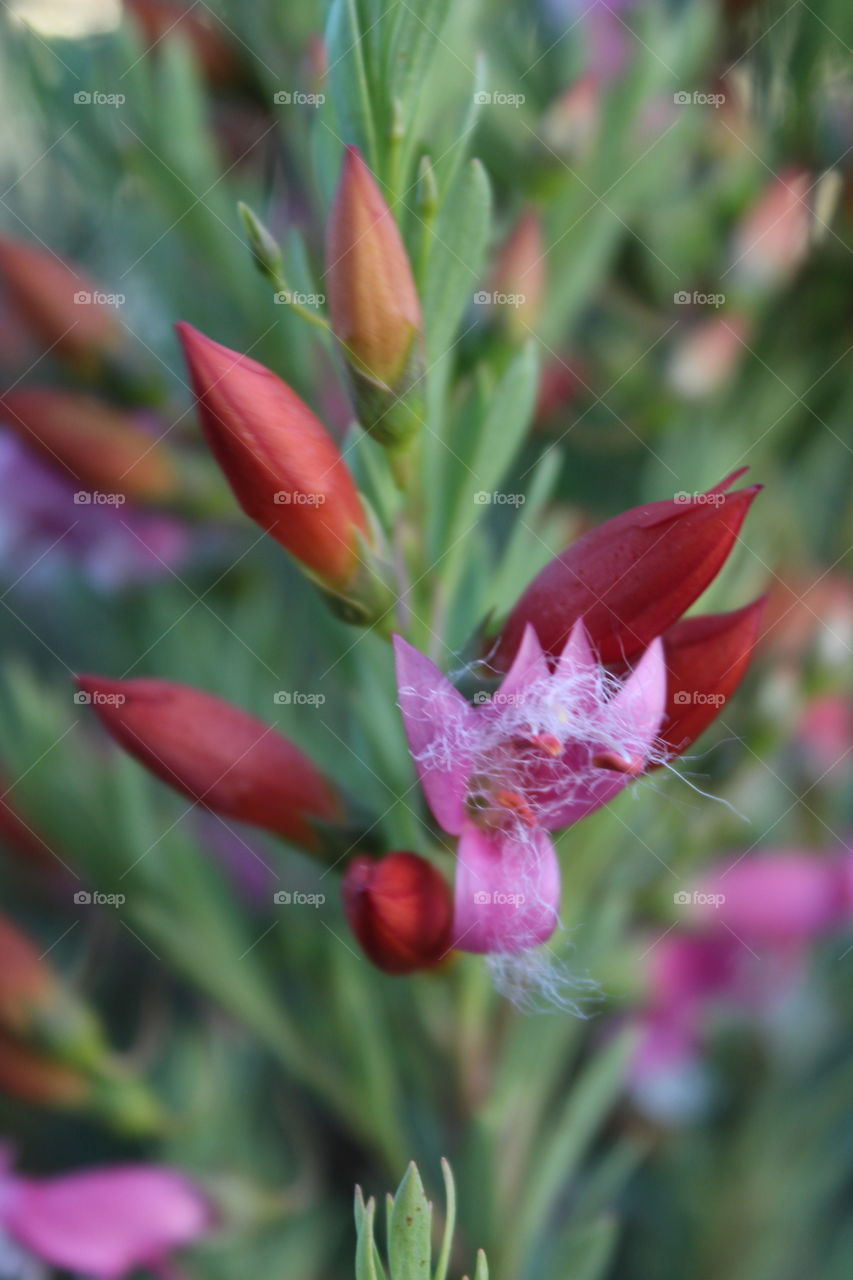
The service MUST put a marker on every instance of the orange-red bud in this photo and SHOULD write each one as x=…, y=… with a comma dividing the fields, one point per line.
x=34, y=1077
x=283, y=467
x=373, y=301
x=28, y=987
x=400, y=910
x=98, y=446
x=57, y=301
x=519, y=275
x=217, y=755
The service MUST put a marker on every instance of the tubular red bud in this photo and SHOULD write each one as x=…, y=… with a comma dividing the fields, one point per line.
x=283, y=467
x=95, y=444
x=216, y=754
x=706, y=659
x=400, y=910
x=58, y=302
x=632, y=577
x=34, y=1077
x=372, y=297
x=28, y=986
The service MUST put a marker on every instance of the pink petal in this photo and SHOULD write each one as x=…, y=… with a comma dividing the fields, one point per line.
x=772, y=897
x=528, y=667
x=638, y=709
x=106, y=1222
x=577, y=660
x=441, y=729
x=507, y=891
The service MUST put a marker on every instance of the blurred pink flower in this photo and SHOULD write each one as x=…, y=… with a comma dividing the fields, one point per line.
x=103, y=1222
x=548, y=748
x=43, y=528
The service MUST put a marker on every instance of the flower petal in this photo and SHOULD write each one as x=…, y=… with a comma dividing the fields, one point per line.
x=507, y=891
x=528, y=667
x=441, y=729
x=106, y=1222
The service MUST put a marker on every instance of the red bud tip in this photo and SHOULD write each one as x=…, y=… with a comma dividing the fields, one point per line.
x=400, y=910
x=283, y=467
x=632, y=577
x=215, y=754
x=27, y=985
x=706, y=659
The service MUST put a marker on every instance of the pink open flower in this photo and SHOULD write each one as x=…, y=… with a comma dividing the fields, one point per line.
x=547, y=748
x=102, y=1222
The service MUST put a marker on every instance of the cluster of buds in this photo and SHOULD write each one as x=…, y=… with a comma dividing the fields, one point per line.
x=52, y=1047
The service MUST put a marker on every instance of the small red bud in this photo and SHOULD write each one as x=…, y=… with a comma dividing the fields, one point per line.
x=400, y=910
x=98, y=446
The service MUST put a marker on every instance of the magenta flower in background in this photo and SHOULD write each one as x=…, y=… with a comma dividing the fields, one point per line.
x=43, y=529
x=548, y=748
x=743, y=954
x=103, y=1222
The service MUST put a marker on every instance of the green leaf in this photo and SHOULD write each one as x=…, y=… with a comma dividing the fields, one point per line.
x=409, y=1223
x=367, y=1264
x=449, y=1221
x=456, y=256
x=586, y=1251
x=348, y=78
x=482, y=1269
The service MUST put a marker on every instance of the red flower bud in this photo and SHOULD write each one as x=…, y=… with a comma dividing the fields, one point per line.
x=706, y=658
x=28, y=987
x=95, y=444
x=57, y=301
x=33, y=1077
x=284, y=468
x=216, y=754
x=372, y=297
x=632, y=577
x=400, y=910
x=206, y=35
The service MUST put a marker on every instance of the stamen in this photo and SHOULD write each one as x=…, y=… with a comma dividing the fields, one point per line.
x=548, y=743
x=515, y=803
x=616, y=763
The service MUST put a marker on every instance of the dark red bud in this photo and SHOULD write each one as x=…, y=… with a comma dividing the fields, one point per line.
x=400, y=910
